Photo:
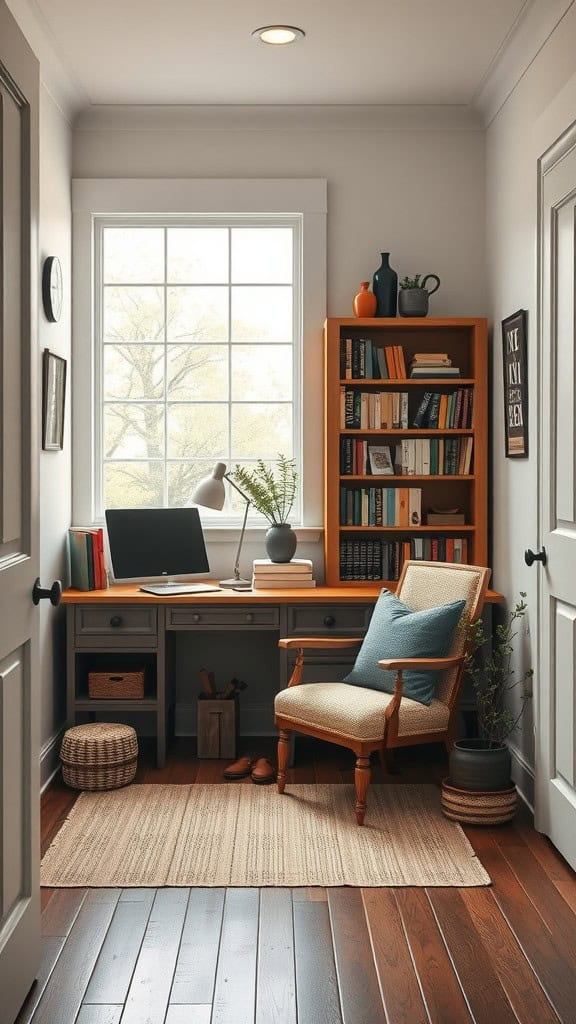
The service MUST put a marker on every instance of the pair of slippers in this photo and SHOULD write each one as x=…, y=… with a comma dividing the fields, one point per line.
x=260, y=771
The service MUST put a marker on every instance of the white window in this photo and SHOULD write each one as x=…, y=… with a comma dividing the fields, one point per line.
x=198, y=342
x=197, y=338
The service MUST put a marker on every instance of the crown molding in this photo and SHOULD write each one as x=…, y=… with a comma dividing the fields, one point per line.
x=534, y=25
x=277, y=118
x=67, y=93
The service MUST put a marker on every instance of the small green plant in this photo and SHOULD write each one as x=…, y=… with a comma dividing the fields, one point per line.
x=489, y=665
x=411, y=282
x=271, y=491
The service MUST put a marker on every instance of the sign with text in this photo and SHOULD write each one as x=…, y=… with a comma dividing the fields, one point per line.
x=514, y=330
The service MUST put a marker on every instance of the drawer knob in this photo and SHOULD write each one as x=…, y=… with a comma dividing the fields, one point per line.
x=329, y=620
x=196, y=617
x=115, y=621
x=249, y=617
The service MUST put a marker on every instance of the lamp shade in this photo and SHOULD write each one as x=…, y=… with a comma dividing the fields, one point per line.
x=210, y=492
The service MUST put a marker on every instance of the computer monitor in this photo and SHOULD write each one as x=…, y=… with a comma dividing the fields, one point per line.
x=147, y=543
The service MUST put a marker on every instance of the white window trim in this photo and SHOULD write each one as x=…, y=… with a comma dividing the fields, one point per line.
x=98, y=197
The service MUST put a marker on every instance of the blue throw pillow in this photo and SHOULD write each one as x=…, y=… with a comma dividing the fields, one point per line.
x=395, y=631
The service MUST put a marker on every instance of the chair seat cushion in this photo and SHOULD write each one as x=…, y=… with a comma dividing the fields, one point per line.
x=355, y=712
x=396, y=631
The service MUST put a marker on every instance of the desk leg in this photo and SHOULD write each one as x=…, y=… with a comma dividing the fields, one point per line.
x=161, y=692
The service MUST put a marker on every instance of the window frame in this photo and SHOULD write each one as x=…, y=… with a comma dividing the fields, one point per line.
x=96, y=201
x=100, y=223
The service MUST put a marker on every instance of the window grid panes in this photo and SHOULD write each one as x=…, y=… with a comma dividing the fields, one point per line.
x=198, y=356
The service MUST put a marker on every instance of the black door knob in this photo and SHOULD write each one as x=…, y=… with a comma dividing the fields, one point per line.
x=530, y=556
x=116, y=621
x=329, y=620
x=42, y=593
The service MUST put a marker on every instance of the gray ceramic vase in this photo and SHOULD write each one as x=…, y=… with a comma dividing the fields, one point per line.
x=477, y=766
x=414, y=301
x=281, y=542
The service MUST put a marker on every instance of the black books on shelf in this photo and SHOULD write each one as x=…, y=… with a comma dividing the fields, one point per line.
x=414, y=456
x=379, y=560
x=380, y=506
x=86, y=556
x=445, y=411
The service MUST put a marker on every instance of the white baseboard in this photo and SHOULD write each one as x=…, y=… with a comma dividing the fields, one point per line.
x=523, y=776
x=50, y=759
x=255, y=719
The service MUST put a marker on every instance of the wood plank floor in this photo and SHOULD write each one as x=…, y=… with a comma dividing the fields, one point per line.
x=494, y=955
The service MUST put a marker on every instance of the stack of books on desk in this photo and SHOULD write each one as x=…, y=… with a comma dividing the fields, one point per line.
x=269, y=575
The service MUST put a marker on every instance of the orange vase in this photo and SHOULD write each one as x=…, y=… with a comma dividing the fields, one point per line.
x=364, y=301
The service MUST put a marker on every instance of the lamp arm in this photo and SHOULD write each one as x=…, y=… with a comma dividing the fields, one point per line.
x=237, y=559
x=228, y=477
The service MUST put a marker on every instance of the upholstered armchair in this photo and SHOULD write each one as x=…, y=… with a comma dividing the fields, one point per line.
x=368, y=720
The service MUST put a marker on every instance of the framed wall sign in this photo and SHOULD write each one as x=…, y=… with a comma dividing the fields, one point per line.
x=53, y=401
x=514, y=339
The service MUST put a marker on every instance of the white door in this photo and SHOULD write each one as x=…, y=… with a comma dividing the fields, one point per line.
x=19, y=697
x=556, y=720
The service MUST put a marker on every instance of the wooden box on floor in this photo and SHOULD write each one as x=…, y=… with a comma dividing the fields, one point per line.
x=218, y=727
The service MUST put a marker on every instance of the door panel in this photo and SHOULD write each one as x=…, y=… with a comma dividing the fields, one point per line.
x=19, y=682
x=555, y=739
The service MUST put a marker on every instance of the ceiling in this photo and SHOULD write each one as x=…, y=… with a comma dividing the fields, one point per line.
x=187, y=52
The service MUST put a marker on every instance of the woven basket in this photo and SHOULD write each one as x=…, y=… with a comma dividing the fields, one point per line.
x=100, y=755
x=473, y=807
x=116, y=685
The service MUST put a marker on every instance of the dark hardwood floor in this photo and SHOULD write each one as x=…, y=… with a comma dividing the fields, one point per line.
x=314, y=956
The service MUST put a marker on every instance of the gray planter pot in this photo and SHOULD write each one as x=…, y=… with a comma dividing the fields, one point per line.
x=414, y=301
x=474, y=765
x=281, y=543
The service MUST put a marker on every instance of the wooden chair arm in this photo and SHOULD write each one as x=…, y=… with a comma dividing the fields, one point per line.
x=402, y=664
x=319, y=642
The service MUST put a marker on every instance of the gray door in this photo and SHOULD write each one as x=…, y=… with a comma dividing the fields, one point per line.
x=19, y=685
x=556, y=731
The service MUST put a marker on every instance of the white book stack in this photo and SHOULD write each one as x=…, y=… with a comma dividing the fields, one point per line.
x=269, y=575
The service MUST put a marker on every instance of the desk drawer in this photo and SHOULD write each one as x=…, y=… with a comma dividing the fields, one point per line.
x=116, y=620
x=204, y=617
x=324, y=620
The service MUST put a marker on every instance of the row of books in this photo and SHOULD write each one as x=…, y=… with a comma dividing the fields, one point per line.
x=362, y=359
x=86, y=555
x=382, y=560
x=268, y=575
x=445, y=412
x=433, y=364
x=373, y=410
x=422, y=456
x=380, y=506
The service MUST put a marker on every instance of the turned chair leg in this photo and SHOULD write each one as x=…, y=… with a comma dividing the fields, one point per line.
x=283, y=758
x=361, y=783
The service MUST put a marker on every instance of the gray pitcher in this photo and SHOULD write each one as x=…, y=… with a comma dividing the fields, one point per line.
x=414, y=301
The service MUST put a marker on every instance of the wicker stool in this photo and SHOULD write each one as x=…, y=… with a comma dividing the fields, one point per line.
x=99, y=756
x=472, y=807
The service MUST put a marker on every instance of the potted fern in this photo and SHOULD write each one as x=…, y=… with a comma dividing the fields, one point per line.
x=485, y=763
x=413, y=295
x=272, y=491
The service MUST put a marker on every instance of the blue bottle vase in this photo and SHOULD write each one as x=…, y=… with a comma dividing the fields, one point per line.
x=385, y=287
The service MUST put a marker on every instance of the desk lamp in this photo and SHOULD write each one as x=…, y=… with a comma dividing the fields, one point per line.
x=211, y=493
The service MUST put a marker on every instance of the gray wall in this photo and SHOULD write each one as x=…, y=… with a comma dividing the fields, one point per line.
x=55, y=467
x=514, y=140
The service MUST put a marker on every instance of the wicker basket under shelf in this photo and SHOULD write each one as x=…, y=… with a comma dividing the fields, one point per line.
x=116, y=685
x=100, y=755
x=471, y=807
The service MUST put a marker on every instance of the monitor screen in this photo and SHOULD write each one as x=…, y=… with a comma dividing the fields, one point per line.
x=148, y=542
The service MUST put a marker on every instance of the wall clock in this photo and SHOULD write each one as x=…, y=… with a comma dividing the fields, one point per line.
x=52, y=288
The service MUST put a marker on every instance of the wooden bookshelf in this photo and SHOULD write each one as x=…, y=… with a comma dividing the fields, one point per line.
x=465, y=342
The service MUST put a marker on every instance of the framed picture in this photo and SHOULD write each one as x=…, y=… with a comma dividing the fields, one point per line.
x=53, y=401
x=514, y=341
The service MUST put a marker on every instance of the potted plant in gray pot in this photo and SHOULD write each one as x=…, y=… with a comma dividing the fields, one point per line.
x=272, y=491
x=484, y=763
x=413, y=295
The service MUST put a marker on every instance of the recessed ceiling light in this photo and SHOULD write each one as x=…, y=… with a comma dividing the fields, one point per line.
x=278, y=35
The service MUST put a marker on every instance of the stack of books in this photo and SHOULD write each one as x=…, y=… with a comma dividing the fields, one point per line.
x=87, y=565
x=433, y=364
x=269, y=575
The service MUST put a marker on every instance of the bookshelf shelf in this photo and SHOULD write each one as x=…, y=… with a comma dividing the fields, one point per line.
x=359, y=555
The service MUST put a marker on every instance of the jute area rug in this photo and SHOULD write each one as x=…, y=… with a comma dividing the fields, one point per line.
x=246, y=835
